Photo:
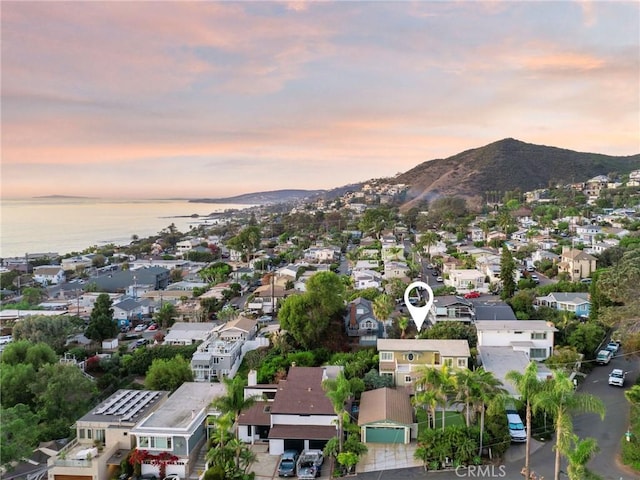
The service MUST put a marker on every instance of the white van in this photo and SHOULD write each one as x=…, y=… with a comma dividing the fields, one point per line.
x=516, y=428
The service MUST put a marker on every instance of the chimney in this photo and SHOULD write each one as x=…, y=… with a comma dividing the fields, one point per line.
x=253, y=378
x=193, y=414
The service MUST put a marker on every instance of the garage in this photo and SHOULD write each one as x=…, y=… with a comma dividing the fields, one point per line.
x=380, y=434
x=294, y=444
x=386, y=416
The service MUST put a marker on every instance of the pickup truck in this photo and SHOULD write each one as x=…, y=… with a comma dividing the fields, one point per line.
x=309, y=464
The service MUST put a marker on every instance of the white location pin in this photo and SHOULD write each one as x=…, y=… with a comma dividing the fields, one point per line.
x=419, y=314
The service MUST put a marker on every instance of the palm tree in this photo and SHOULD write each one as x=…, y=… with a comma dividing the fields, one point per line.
x=441, y=382
x=528, y=385
x=429, y=399
x=234, y=401
x=383, y=306
x=560, y=398
x=578, y=457
x=465, y=391
x=487, y=389
x=338, y=391
x=428, y=240
x=403, y=323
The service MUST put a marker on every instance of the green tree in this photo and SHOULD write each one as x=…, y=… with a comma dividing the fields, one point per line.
x=23, y=351
x=19, y=433
x=247, y=241
x=528, y=385
x=165, y=317
x=14, y=384
x=168, y=374
x=215, y=273
x=50, y=330
x=578, y=455
x=586, y=337
x=560, y=399
x=101, y=323
x=507, y=273
x=441, y=382
x=234, y=401
x=487, y=389
x=383, y=306
x=32, y=295
x=63, y=394
x=427, y=240
x=338, y=391
x=326, y=291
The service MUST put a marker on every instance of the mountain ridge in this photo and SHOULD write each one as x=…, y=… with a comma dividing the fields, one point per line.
x=505, y=165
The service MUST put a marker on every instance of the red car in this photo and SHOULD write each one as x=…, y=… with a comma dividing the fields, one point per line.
x=472, y=294
x=152, y=327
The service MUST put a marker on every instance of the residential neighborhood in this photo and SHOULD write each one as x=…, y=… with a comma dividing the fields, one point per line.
x=279, y=331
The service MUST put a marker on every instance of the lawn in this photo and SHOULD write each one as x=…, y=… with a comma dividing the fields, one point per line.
x=451, y=418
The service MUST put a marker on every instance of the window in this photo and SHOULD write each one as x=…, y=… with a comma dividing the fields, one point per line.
x=100, y=434
x=160, y=443
x=410, y=357
x=81, y=433
x=538, y=353
x=143, y=442
x=462, y=362
x=367, y=324
x=518, y=332
x=407, y=379
x=386, y=356
x=539, y=336
x=448, y=362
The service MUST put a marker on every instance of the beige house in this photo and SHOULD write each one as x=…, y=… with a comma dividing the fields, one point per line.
x=103, y=436
x=576, y=264
x=403, y=359
x=386, y=416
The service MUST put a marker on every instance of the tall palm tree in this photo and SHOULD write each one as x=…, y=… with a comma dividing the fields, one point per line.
x=487, y=389
x=338, y=391
x=234, y=401
x=428, y=399
x=560, y=398
x=465, y=391
x=441, y=382
x=383, y=306
x=403, y=323
x=528, y=385
x=427, y=240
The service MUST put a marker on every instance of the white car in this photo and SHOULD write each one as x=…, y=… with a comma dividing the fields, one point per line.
x=439, y=279
x=140, y=328
x=616, y=377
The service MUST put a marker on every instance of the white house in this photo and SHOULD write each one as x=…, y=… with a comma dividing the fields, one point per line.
x=466, y=279
x=533, y=337
x=366, y=279
x=49, y=274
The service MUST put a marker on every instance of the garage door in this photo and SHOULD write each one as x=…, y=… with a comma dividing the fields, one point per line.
x=292, y=444
x=385, y=435
x=317, y=444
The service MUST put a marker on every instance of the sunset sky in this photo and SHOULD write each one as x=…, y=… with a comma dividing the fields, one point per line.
x=161, y=99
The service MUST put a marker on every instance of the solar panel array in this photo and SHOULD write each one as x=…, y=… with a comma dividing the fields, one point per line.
x=127, y=403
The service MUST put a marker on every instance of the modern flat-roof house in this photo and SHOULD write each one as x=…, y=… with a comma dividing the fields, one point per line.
x=533, y=337
x=302, y=416
x=103, y=437
x=178, y=428
x=500, y=360
x=187, y=333
x=215, y=359
x=402, y=359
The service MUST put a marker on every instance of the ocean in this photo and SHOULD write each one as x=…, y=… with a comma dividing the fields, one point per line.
x=65, y=225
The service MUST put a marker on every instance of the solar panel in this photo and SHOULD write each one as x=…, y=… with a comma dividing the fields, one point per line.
x=108, y=404
x=140, y=405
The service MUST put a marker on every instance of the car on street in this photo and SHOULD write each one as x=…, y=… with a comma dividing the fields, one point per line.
x=535, y=278
x=604, y=357
x=616, y=377
x=472, y=294
x=287, y=464
x=152, y=327
x=613, y=347
x=139, y=328
x=439, y=279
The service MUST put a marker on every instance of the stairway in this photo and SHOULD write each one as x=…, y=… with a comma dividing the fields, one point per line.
x=200, y=465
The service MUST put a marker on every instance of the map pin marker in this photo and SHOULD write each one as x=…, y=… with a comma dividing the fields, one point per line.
x=418, y=314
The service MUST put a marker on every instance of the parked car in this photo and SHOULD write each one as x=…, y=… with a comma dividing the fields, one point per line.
x=535, y=278
x=613, y=347
x=604, y=357
x=439, y=279
x=287, y=464
x=472, y=294
x=152, y=327
x=139, y=328
x=517, y=430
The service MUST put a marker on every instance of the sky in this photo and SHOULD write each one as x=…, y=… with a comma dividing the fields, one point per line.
x=212, y=99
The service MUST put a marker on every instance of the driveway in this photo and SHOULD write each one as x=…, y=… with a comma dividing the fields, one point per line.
x=266, y=466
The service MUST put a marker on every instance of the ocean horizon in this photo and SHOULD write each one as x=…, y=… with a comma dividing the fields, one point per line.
x=66, y=224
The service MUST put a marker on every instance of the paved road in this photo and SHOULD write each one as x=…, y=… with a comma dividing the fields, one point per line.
x=608, y=433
